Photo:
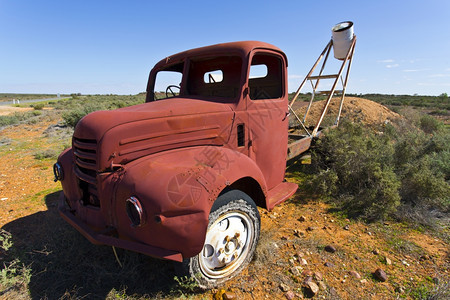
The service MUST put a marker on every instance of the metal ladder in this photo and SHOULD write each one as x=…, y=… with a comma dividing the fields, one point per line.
x=314, y=80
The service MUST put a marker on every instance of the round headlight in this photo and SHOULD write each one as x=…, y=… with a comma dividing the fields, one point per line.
x=135, y=212
x=58, y=172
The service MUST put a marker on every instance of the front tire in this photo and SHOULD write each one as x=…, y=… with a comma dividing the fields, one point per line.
x=231, y=239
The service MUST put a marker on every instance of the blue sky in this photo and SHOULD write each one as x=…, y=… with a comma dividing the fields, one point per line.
x=103, y=47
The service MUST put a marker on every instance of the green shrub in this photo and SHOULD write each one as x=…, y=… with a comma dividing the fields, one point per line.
x=13, y=273
x=16, y=118
x=46, y=154
x=38, y=106
x=354, y=166
x=77, y=108
x=9, y=120
x=371, y=175
x=429, y=124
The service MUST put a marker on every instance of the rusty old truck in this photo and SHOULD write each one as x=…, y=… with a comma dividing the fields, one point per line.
x=180, y=176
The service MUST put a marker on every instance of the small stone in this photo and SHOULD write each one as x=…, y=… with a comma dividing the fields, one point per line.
x=400, y=290
x=347, y=227
x=375, y=251
x=333, y=293
x=380, y=275
x=318, y=276
x=405, y=263
x=291, y=262
x=303, y=262
x=328, y=264
x=300, y=254
x=330, y=249
x=312, y=287
x=307, y=273
x=229, y=296
x=298, y=233
x=4, y=199
x=311, y=228
x=302, y=219
x=289, y=295
x=295, y=271
x=354, y=274
x=363, y=281
x=283, y=237
x=307, y=279
x=322, y=285
x=388, y=261
x=284, y=287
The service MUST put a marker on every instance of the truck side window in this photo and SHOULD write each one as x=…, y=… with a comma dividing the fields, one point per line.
x=266, y=77
x=168, y=82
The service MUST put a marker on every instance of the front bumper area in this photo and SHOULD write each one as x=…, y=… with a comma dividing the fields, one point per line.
x=100, y=238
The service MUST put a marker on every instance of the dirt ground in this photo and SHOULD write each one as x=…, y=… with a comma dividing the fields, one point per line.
x=296, y=243
x=354, y=109
x=7, y=110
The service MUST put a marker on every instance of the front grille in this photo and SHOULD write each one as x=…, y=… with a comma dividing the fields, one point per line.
x=85, y=155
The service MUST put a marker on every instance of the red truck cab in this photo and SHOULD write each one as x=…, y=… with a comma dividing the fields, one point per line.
x=179, y=176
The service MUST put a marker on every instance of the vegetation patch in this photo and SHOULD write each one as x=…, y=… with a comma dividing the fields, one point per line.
x=46, y=154
x=373, y=174
x=78, y=107
x=13, y=274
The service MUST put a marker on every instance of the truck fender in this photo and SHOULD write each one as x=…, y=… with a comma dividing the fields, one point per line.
x=177, y=190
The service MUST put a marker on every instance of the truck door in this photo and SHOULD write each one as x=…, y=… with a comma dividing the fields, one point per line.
x=267, y=108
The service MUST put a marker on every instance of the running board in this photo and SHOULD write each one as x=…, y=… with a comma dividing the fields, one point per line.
x=280, y=193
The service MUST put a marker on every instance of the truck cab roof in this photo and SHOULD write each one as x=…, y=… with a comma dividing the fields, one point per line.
x=242, y=47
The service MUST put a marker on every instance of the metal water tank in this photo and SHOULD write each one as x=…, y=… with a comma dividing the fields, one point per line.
x=342, y=35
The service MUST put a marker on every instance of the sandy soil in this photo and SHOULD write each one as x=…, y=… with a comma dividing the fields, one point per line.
x=7, y=110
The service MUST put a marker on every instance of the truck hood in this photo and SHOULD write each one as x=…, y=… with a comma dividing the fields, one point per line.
x=108, y=138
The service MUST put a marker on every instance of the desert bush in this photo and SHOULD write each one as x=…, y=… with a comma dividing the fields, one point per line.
x=354, y=166
x=38, y=106
x=9, y=120
x=372, y=174
x=429, y=124
x=46, y=154
x=77, y=108
x=13, y=273
x=27, y=117
x=72, y=117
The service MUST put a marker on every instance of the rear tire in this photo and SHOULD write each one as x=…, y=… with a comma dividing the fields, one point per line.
x=231, y=239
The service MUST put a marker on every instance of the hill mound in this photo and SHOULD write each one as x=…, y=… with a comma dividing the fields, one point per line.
x=354, y=109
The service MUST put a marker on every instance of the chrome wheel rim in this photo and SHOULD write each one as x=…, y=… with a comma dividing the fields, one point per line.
x=227, y=244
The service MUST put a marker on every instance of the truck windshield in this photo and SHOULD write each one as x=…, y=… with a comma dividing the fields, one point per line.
x=207, y=78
